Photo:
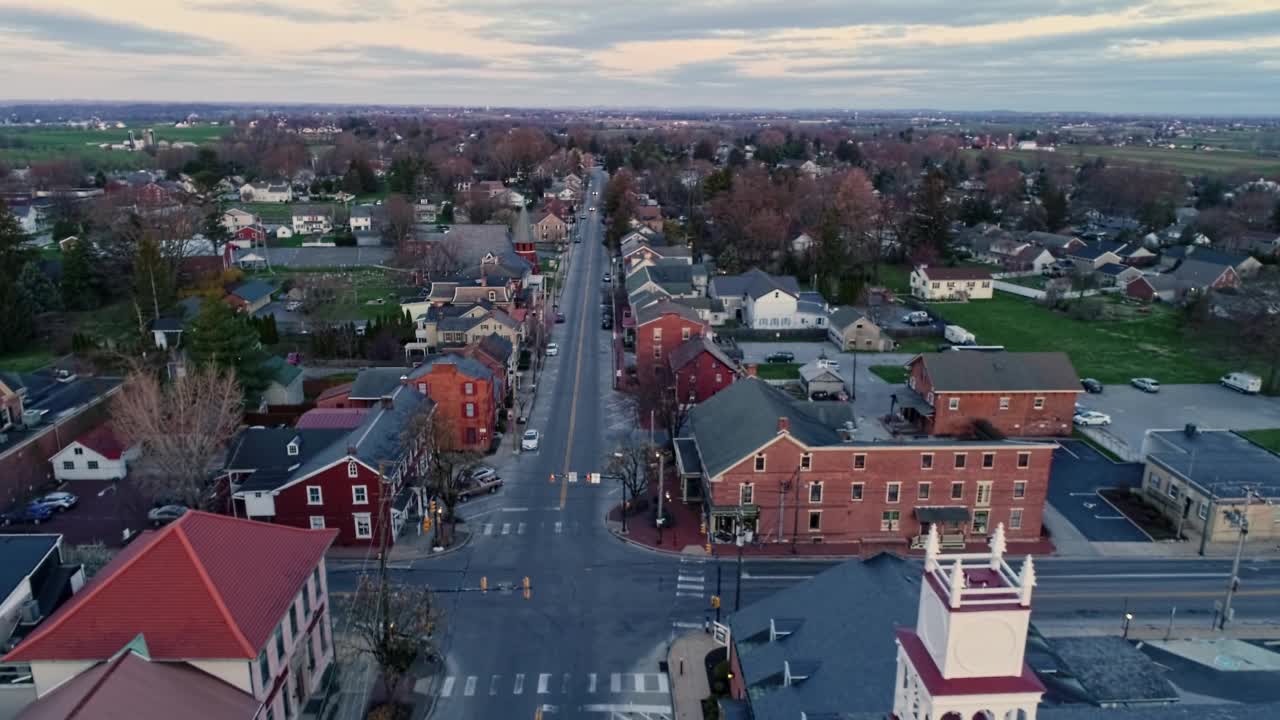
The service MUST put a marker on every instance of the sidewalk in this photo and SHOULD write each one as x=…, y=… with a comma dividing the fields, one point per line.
x=687, y=669
x=410, y=546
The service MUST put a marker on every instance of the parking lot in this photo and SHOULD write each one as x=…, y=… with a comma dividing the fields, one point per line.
x=1078, y=473
x=105, y=510
x=1133, y=412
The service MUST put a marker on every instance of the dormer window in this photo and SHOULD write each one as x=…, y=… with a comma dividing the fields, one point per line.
x=782, y=627
x=292, y=448
x=796, y=671
x=353, y=469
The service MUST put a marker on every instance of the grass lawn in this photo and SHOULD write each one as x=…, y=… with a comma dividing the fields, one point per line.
x=1035, y=282
x=1186, y=160
x=917, y=345
x=368, y=284
x=278, y=213
x=25, y=362
x=38, y=144
x=1269, y=439
x=1125, y=345
x=896, y=278
x=892, y=374
x=778, y=371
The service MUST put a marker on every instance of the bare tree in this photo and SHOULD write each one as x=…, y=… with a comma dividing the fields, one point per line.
x=395, y=625
x=399, y=220
x=181, y=427
x=630, y=463
x=448, y=462
x=660, y=398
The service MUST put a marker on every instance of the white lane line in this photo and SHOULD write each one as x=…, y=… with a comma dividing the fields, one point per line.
x=693, y=578
x=615, y=683
x=681, y=593
x=1138, y=576
x=506, y=528
x=520, y=529
x=591, y=683
x=447, y=689
x=788, y=578
x=686, y=625
x=626, y=708
x=470, y=688
x=519, y=687
x=639, y=680
x=493, y=685
x=559, y=526
x=515, y=509
x=543, y=680
x=690, y=586
x=488, y=528
x=663, y=686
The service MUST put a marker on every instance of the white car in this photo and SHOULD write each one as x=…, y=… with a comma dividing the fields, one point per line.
x=552, y=349
x=1146, y=384
x=59, y=500
x=530, y=440
x=592, y=208
x=1091, y=417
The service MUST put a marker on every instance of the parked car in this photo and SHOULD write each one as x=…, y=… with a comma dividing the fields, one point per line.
x=1244, y=382
x=917, y=317
x=1091, y=386
x=823, y=396
x=1091, y=417
x=1146, y=384
x=606, y=323
x=552, y=349
x=530, y=440
x=32, y=513
x=59, y=500
x=480, y=473
x=559, y=317
x=782, y=356
x=606, y=278
x=166, y=514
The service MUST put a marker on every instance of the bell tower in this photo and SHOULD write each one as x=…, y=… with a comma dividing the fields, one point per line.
x=964, y=659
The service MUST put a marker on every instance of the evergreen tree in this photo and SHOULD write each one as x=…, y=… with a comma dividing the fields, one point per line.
x=1275, y=218
x=16, y=326
x=1057, y=209
x=221, y=337
x=39, y=289
x=79, y=277
x=14, y=250
x=100, y=179
x=215, y=231
x=154, y=285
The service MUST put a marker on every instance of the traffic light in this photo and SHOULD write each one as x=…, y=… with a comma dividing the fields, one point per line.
x=426, y=524
x=484, y=584
x=715, y=601
x=553, y=478
x=528, y=592
x=708, y=548
x=432, y=507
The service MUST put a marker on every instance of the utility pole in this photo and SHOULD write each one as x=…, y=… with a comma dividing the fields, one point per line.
x=384, y=544
x=1239, y=518
x=662, y=460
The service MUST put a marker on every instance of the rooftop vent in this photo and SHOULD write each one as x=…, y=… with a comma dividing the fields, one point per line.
x=1190, y=430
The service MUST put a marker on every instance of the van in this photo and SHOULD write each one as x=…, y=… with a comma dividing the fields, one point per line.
x=1244, y=382
x=916, y=317
x=958, y=335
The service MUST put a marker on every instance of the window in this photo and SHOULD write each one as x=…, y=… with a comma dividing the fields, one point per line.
x=988, y=460
x=953, y=403
x=264, y=668
x=926, y=461
x=316, y=522
x=892, y=491
x=718, y=378
x=68, y=465
x=860, y=461
x=746, y=494
x=922, y=491
x=1174, y=491
x=806, y=461
x=986, y=283
x=1024, y=459
x=1015, y=519
x=981, y=518
x=957, y=491
x=469, y=410
x=815, y=492
x=759, y=462
x=291, y=449
x=353, y=469
x=856, y=495
x=1039, y=403
x=293, y=620
x=684, y=333
x=983, y=498
x=1203, y=510
x=657, y=351
x=657, y=334
x=468, y=388
x=961, y=459
x=1020, y=489
x=889, y=520
x=314, y=496
x=815, y=520
x=360, y=494
x=364, y=527
x=1004, y=403
x=280, y=643
x=93, y=464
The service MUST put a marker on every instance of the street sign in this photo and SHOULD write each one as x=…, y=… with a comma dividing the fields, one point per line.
x=720, y=633
x=593, y=478
x=573, y=477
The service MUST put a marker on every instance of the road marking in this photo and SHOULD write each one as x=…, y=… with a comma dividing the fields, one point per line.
x=1109, y=517
x=493, y=684
x=663, y=687
x=512, y=509
x=1088, y=494
x=577, y=381
x=543, y=680
x=564, y=684
x=627, y=708
x=1134, y=576
x=520, y=529
x=519, y=688
x=690, y=586
x=690, y=578
x=506, y=528
x=447, y=689
x=681, y=593
x=573, y=477
x=1157, y=594
x=789, y=578
x=639, y=683
x=488, y=528
x=591, y=683
x=683, y=625
x=559, y=526
x=470, y=688
x=615, y=683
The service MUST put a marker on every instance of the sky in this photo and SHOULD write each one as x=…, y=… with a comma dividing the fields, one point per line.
x=1154, y=56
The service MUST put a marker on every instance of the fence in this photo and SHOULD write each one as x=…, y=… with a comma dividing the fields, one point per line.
x=752, y=335
x=1107, y=441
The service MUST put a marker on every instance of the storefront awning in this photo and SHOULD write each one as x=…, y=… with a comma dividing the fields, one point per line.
x=951, y=514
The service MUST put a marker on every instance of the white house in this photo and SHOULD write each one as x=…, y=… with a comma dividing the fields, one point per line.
x=802, y=243
x=312, y=219
x=362, y=218
x=766, y=302
x=515, y=199
x=235, y=219
x=96, y=455
x=950, y=283
x=266, y=192
x=283, y=232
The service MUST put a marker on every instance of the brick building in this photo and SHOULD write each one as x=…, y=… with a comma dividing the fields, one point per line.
x=698, y=369
x=467, y=396
x=1020, y=394
x=794, y=471
x=660, y=329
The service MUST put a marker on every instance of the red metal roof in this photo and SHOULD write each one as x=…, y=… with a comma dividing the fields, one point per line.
x=103, y=441
x=206, y=587
x=939, y=686
x=333, y=418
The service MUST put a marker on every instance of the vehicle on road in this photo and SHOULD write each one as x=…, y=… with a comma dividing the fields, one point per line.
x=166, y=514
x=559, y=317
x=529, y=441
x=959, y=336
x=592, y=208
x=1146, y=384
x=1244, y=382
x=479, y=480
x=606, y=323
x=1091, y=417
x=824, y=396
x=917, y=317
x=606, y=278
x=1091, y=386
x=552, y=349
x=32, y=513
x=59, y=501
x=782, y=356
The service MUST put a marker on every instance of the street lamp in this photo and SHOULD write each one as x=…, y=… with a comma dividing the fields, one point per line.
x=623, y=482
x=662, y=458
x=1128, y=618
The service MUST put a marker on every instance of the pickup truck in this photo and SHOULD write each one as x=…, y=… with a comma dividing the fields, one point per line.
x=479, y=481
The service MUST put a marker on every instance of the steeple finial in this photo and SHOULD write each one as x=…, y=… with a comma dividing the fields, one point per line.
x=931, y=550
x=957, y=583
x=1026, y=581
x=998, y=546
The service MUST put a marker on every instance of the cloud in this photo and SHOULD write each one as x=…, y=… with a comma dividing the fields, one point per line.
x=281, y=11
x=77, y=31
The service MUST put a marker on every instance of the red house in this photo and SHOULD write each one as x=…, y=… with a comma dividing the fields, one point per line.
x=466, y=395
x=352, y=480
x=660, y=329
x=252, y=234
x=699, y=369
x=1020, y=394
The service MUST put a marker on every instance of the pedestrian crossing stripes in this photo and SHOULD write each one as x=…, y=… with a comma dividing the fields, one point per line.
x=558, y=527
x=550, y=684
x=691, y=579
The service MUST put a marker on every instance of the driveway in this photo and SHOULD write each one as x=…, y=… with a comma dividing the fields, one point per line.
x=1133, y=412
x=1078, y=473
x=105, y=511
x=871, y=394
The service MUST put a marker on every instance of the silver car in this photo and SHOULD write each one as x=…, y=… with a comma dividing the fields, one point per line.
x=166, y=514
x=1146, y=384
x=59, y=500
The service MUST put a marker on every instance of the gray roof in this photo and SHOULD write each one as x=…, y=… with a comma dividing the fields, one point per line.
x=1049, y=240
x=19, y=557
x=373, y=383
x=649, y=313
x=754, y=282
x=281, y=371
x=265, y=451
x=253, y=290
x=496, y=347
x=362, y=211
x=844, y=316
x=675, y=279
x=810, y=372
x=309, y=210
x=645, y=298
x=522, y=232
x=1217, y=460
x=842, y=625
x=1094, y=251
x=695, y=346
x=687, y=450
x=468, y=244
x=992, y=371
x=1115, y=268
x=466, y=365
x=1197, y=273
x=1110, y=670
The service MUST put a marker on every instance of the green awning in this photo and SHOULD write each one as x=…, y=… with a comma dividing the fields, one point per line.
x=948, y=514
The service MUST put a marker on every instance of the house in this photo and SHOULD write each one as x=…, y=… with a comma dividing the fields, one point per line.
x=96, y=455
x=1192, y=276
x=351, y=480
x=283, y=232
x=523, y=241
x=251, y=296
x=1088, y=258
x=284, y=386
x=1059, y=245
x=312, y=219
x=669, y=279
x=235, y=218
x=1136, y=254
x=699, y=369
x=249, y=236
x=362, y=218
x=649, y=216
x=1113, y=274
x=1033, y=258
x=660, y=329
x=950, y=283
x=1021, y=394
x=467, y=395
x=1245, y=265
x=645, y=252
x=802, y=243
x=266, y=192
x=550, y=228
x=1004, y=251
x=820, y=376
x=35, y=581
x=257, y=620
x=496, y=353
x=797, y=471
x=1255, y=242
x=770, y=302
x=1200, y=478
x=850, y=329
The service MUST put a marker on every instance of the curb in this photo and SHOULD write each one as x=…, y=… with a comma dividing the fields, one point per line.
x=713, y=556
x=409, y=557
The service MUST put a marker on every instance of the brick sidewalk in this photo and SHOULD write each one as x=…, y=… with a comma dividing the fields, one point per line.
x=686, y=666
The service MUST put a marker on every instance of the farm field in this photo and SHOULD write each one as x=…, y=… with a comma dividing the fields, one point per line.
x=1191, y=162
x=23, y=145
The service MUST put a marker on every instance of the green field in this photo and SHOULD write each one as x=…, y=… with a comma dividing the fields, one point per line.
x=1125, y=344
x=368, y=285
x=278, y=213
x=25, y=362
x=1185, y=160
x=892, y=374
x=1269, y=439
x=24, y=145
x=778, y=371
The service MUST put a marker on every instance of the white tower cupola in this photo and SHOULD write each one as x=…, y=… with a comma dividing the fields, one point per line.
x=964, y=659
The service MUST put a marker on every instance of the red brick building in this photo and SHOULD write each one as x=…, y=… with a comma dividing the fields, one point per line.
x=1020, y=394
x=660, y=329
x=794, y=471
x=698, y=369
x=467, y=397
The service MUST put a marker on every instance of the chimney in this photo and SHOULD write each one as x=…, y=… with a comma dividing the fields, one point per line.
x=351, y=449
x=784, y=424
x=751, y=370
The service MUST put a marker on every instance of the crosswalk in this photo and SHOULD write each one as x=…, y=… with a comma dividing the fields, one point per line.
x=691, y=578
x=601, y=684
x=552, y=527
